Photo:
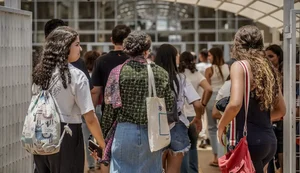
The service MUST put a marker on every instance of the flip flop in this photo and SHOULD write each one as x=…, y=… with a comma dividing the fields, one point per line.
x=214, y=164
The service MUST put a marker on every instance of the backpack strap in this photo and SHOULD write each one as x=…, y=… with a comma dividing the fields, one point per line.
x=53, y=81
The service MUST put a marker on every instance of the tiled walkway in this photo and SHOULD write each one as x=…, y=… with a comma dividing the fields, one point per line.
x=204, y=157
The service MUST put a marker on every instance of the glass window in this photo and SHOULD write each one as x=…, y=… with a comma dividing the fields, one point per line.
x=152, y=36
x=146, y=25
x=101, y=49
x=205, y=12
x=190, y=48
x=130, y=24
x=225, y=14
x=207, y=37
x=185, y=11
x=70, y=23
x=226, y=24
x=104, y=38
x=106, y=25
x=202, y=47
x=40, y=37
x=126, y=10
x=226, y=36
x=86, y=10
x=2, y=3
x=245, y=22
x=87, y=37
x=45, y=10
x=86, y=25
x=146, y=10
x=207, y=24
x=28, y=6
x=65, y=10
x=163, y=37
x=187, y=37
x=105, y=10
x=187, y=25
x=40, y=26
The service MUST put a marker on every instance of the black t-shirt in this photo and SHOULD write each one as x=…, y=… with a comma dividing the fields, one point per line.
x=104, y=65
x=81, y=66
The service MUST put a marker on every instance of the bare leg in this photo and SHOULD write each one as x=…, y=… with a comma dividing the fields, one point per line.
x=164, y=160
x=266, y=168
x=174, y=162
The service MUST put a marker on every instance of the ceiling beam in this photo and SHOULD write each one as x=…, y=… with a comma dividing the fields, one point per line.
x=217, y=8
x=268, y=14
x=244, y=7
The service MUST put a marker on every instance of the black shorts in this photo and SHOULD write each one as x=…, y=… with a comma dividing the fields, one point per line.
x=70, y=158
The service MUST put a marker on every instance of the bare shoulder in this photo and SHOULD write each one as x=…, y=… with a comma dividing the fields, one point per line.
x=236, y=67
x=208, y=70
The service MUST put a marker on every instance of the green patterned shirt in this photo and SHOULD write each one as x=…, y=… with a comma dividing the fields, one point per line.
x=134, y=91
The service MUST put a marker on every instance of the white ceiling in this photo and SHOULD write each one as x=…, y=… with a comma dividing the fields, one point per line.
x=267, y=12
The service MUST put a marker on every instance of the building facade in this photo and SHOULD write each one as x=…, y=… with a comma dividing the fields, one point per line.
x=188, y=27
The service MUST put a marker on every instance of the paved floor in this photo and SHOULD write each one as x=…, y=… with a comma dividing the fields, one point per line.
x=204, y=157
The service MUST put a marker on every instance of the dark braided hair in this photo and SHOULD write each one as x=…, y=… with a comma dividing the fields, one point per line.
x=55, y=54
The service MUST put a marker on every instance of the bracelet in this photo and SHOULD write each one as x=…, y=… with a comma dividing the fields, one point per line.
x=203, y=104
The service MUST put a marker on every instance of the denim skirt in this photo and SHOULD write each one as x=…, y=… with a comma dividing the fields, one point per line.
x=131, y=152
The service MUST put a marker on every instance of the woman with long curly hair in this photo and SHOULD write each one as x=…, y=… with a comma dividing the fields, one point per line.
x=266, y=102
x=70, y=89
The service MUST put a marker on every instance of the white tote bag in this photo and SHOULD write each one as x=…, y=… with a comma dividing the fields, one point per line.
x=158, y=127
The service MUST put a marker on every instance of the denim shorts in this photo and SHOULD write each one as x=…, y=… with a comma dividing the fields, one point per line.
x=180, y=141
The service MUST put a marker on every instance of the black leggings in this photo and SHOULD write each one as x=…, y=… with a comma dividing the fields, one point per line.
x=261, y=155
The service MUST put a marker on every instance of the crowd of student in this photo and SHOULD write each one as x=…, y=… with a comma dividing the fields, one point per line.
x=118, y=81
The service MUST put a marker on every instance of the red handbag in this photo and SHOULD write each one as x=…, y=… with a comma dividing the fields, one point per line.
x=239, y=160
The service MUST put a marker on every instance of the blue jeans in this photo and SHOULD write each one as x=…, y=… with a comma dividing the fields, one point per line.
x=131, y=152
x=190, y=159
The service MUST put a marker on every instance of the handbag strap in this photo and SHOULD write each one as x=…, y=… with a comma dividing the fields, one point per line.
x=151, y=82
x=232, y=136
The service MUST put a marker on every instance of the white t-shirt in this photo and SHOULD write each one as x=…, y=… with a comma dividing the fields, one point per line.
x=74, y=101
x=187, y=93
x=224, y=90
x=195, y=78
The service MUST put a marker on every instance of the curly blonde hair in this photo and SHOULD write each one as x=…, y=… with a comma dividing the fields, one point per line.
x=248, y=45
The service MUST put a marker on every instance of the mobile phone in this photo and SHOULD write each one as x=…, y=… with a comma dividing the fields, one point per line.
x=94, y=147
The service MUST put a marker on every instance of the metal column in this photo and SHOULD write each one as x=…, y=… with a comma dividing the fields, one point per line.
x=289, y=163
